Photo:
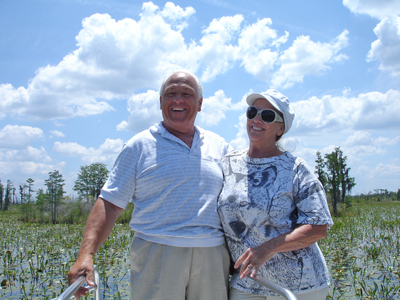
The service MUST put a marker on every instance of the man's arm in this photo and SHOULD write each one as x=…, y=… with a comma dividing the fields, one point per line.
x=98, y=227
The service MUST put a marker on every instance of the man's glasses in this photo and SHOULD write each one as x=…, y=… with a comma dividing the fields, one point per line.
x=267, y=115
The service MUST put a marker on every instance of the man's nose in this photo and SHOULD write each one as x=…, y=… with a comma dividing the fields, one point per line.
x=178, y=97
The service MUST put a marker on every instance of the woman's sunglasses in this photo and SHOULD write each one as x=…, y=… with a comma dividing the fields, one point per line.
x=267, y=115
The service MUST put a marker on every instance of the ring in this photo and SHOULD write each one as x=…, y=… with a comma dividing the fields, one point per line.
x=251, y=266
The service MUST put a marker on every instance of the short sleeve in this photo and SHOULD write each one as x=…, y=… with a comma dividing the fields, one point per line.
x=120, y=185
x=310, y=197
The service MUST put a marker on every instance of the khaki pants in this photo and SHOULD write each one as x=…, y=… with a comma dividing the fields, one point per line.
x=235, y=294
x=162, y=272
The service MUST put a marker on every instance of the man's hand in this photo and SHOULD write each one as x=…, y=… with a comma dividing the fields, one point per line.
x=83, y=266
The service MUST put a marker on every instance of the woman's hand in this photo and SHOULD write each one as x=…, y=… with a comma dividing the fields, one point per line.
x=253, y=259
x=300, y=237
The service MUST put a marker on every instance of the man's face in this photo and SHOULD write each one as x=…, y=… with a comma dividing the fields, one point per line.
x=180, y=102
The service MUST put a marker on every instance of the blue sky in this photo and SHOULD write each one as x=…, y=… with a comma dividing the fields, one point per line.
x=80, y=77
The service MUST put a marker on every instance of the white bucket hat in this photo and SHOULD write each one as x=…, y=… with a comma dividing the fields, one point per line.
x=277, y=100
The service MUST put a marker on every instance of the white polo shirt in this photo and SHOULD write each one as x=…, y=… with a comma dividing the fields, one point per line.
x=174, y=188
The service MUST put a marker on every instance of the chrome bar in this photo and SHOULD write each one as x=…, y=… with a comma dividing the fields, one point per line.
x=274, y=287
x=70, y=291
x=97, y=282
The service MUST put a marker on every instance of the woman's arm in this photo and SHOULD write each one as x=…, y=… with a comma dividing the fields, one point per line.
x=300, y=237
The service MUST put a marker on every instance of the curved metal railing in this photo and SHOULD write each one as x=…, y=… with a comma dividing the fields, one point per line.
x=70, y=291
x=274, y=287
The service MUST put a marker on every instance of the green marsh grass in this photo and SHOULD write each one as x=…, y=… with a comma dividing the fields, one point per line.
x=35, y=259
x=362, y=250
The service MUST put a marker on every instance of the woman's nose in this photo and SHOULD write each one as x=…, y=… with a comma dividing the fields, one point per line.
x=258, y=117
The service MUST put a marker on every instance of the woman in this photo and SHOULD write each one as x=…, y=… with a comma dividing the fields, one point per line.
x=273, y=209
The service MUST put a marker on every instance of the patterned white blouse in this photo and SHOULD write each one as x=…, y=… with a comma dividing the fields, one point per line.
x=263, y=198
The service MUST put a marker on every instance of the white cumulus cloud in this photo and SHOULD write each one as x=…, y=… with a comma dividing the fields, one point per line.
x=116, y=59
x=113, y=59
x=28, y=154
x=215, y=50
x=333, y=114
x=27, y=168
x=374, y=8
x=144, y=109
x=56, y=133
x=254, y=48
x=106, y=153
x=306, y=57
x=18, y=137
x=214, y=108
x=241, y=141
x=386, y=48
x=364, y=143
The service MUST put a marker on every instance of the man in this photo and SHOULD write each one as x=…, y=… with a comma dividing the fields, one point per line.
x=172, y=173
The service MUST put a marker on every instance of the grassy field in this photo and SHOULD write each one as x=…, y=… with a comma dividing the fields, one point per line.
x=362, y=250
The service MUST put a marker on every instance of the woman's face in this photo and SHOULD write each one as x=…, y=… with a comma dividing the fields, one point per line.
x=260, y=132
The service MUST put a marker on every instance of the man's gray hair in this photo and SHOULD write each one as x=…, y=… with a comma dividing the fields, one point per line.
x=199, y=86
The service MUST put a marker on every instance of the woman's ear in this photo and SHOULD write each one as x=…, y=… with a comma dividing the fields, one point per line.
x=281, y=129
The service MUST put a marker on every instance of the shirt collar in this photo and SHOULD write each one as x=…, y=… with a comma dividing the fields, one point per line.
x=160, y=129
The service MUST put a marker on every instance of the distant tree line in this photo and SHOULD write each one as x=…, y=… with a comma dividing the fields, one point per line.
x=50, y=205
x=377, y=195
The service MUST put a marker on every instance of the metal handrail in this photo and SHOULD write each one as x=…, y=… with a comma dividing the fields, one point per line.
x=70, y=291
x=274, y=287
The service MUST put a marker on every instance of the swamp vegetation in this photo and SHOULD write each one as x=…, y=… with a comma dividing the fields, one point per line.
x=362, y=250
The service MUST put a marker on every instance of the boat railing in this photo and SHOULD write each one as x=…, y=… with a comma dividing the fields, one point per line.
x=70, y=291
x=274, y=287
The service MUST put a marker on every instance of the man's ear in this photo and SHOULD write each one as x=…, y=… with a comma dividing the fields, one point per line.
x=200, y=104
x=160, y=103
